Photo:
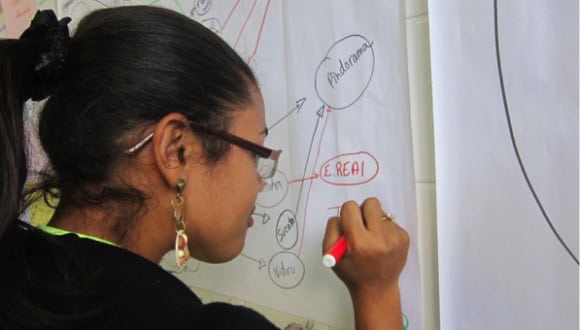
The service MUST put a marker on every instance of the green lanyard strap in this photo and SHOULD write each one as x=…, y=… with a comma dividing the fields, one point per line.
x=59, y=232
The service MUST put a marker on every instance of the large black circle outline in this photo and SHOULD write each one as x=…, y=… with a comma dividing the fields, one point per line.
x=513, y=138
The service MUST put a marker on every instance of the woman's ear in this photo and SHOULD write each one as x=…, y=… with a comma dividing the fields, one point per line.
x=170, y=146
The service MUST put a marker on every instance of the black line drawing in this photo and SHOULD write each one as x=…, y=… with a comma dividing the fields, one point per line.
x=261, y=262
x=341, y=78
x=513, y=139
x=286, y=270
x=319, y=114
x=287, y=230
x=297, y=108
x=274, y=191
x=201, y=7
x=351, y=53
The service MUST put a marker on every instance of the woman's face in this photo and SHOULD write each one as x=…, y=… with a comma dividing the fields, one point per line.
x=221, y=198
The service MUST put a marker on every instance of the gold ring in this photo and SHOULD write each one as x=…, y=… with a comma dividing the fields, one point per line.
x=387, y=217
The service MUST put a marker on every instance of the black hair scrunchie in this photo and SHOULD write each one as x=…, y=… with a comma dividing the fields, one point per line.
x=51, y=36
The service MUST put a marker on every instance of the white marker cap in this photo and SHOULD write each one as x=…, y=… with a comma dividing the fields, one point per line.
x=328, y=260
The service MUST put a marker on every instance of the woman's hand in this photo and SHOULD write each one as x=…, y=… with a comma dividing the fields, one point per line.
x=375, y=257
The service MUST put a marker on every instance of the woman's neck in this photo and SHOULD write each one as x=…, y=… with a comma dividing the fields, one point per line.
x=143, y=236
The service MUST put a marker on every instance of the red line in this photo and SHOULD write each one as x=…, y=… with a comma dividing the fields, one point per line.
x=230, y=14
x=23, y=12
x=259, y=33
x=304, y=179
x=245, y=23
x=311, y=181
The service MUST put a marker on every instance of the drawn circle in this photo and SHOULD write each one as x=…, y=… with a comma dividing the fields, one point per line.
x=286, y=270
x=345, y=72
x=287, y=230
x=349, y=169
x=213, y=24
x=201, y=7
x=274, y=191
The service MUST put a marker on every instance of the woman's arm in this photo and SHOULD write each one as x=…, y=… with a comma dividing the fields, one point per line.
x=370, y=269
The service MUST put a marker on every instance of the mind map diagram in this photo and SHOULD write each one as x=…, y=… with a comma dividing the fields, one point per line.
x=344, y=72
x=288, y=221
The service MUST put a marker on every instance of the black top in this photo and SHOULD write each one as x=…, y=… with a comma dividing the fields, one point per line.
x=131, y=292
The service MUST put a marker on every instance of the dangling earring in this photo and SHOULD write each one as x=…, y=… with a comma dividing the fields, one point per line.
x=181, y=248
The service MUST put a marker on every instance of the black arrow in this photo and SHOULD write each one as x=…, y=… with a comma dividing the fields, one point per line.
x=261, y=262
x=297, y=108
x=265, y=217
x=319, y=114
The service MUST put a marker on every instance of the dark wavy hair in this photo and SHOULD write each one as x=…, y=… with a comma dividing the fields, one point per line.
x=123, y=68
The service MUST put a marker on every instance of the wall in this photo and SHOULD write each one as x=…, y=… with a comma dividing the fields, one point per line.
x=418, y=55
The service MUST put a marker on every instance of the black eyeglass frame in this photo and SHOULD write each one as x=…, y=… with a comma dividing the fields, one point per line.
x=255, y=148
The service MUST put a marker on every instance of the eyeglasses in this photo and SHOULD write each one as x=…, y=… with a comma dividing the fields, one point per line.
x=267, y=158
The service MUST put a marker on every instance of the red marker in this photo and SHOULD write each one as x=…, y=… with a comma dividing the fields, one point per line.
x=335, y=253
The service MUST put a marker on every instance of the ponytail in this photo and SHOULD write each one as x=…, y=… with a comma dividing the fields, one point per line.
x=29, y=69
x=14, y=59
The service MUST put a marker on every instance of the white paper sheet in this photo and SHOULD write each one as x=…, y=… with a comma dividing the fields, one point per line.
x=501, y=265
x=334, y=79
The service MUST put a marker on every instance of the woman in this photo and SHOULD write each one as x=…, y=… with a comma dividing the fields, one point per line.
x=154, y=130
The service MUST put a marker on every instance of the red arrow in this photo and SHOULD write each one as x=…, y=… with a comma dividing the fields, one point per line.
x=315, y=176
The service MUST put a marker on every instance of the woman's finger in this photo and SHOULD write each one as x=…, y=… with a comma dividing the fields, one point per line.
x=332, y=234
x=352, y=220
x=373, y=215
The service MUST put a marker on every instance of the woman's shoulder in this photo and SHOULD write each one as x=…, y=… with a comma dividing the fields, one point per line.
x=161, y=292
x=219, y=315
x=126, y=275
x=138, y=293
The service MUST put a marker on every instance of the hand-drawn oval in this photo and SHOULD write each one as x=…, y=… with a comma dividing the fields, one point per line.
x=213, y=24
x=274, y=191
x=345, y=72
x=286, y=270
x=201, y=7
x=350, y=169
x=287, y=230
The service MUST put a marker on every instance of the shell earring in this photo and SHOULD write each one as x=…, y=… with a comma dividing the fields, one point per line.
x=181, y=248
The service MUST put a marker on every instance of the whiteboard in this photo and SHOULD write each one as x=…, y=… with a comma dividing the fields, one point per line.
x=334, y=79
x=505, y=94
